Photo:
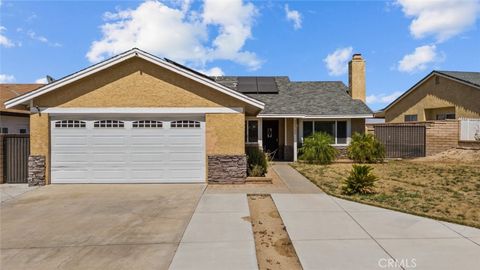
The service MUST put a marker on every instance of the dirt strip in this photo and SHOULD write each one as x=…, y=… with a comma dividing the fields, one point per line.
x=272, y=243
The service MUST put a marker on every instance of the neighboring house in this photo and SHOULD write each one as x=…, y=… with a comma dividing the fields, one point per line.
x=136, y=118
x=14, y=120
x=441, y=95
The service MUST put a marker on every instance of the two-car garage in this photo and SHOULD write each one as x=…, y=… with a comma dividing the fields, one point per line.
x=137, y=118
x=127, y=150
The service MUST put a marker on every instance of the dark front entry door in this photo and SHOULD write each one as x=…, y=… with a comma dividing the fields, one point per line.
x=270, y=137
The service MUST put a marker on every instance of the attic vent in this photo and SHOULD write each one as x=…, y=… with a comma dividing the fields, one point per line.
x=437, y=80
x=257, y=85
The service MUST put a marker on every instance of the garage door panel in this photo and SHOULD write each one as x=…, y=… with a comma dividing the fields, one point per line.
x=118, y=140
x=128, y=155
x=69, y=157
x=117, y=176
x=149, y=158
x=70, y=175
x=70, y=141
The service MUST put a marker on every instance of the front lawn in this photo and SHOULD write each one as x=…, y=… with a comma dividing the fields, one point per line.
x=446, y=191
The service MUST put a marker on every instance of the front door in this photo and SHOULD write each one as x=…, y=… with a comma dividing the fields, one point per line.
x=270, y=137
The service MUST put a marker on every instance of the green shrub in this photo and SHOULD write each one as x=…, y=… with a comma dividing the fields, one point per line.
x=318, y=149
x=365, y=148
x=256, y=171
x=360, y=181
x=257, y=162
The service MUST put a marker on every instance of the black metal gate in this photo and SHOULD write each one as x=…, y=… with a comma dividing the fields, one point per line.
x=16, y=149
x=402, y=140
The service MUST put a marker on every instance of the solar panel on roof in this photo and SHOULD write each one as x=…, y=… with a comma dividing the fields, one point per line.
x=257, y=85
x=266, y=85
x=247, y=85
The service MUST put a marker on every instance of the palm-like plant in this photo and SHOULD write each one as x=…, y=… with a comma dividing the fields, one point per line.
x=360, y=181
x=318, y=148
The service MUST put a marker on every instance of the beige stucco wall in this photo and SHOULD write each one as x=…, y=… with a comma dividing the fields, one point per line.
x=225, y=134
x=138, y=83
x=358, y=125
x=40, y=139
x=447, y=93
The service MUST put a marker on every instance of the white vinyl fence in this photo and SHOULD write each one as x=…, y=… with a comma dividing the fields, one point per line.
x=469, y=129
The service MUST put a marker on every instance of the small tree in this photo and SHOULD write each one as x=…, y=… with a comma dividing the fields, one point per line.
x=360, y=181
x=318, y=149
x=365, y=148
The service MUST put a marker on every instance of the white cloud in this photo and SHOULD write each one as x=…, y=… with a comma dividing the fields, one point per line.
x=336, y=62
x=5, y=78
x=181, y=33
x=4, y=41
x=42, y=39
x=215, y=71
x=42, y=80
x=383, y=98
x=440, y=18
x=294, y=16
x=419, y=59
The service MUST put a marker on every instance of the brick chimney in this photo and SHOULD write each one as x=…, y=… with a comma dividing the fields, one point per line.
x=356, y=77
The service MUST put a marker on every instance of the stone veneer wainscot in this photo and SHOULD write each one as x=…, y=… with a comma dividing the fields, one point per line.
x=36, y=170
x=227, y=169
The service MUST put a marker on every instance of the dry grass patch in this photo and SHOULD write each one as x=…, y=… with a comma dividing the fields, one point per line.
x=446, y=191
x=273, y=246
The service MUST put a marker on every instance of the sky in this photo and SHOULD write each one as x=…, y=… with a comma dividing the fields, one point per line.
x=401, y=40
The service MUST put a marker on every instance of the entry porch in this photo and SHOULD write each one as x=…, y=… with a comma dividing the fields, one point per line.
x=282, y=137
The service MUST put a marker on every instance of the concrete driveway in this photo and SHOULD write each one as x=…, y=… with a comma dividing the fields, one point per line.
x=96, y=226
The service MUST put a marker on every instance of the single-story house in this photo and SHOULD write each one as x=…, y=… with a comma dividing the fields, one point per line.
x=14, y=120
x=137, y=118
x=441, y=95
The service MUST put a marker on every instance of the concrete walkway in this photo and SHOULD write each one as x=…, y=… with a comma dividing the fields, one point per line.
x=295, y=182
x=219, y=236
x=331, y=233
x=10, y=191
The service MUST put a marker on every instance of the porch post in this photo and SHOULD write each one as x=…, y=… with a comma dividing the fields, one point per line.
x=295, y=139
x=285, y=139
x=260, y=133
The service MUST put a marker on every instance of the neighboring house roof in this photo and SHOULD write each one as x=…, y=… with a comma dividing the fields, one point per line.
x=467, y=77
x=464, y=77
x=306, y=99
x=9, y=91
x=167, y=64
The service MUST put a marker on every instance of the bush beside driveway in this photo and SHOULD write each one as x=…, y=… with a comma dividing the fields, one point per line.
x=96, y=226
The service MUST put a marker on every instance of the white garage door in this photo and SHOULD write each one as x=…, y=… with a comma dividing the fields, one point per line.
x=127, y=151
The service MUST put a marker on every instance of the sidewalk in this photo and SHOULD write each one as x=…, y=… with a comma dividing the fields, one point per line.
x=219, y=236
x=331, y=233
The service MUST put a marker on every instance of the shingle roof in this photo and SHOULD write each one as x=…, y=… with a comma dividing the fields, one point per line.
x=305, y=98
x=469, y=77
x=9, y=91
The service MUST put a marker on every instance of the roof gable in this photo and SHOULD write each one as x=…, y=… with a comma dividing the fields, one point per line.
x=467, y=78
x=123, y=57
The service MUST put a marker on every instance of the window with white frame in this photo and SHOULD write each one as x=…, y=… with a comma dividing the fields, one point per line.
x=69, y=124
x=336, y=129
x=251, y=131
x=185, y=124
x=108, y=124
x=147, y=124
